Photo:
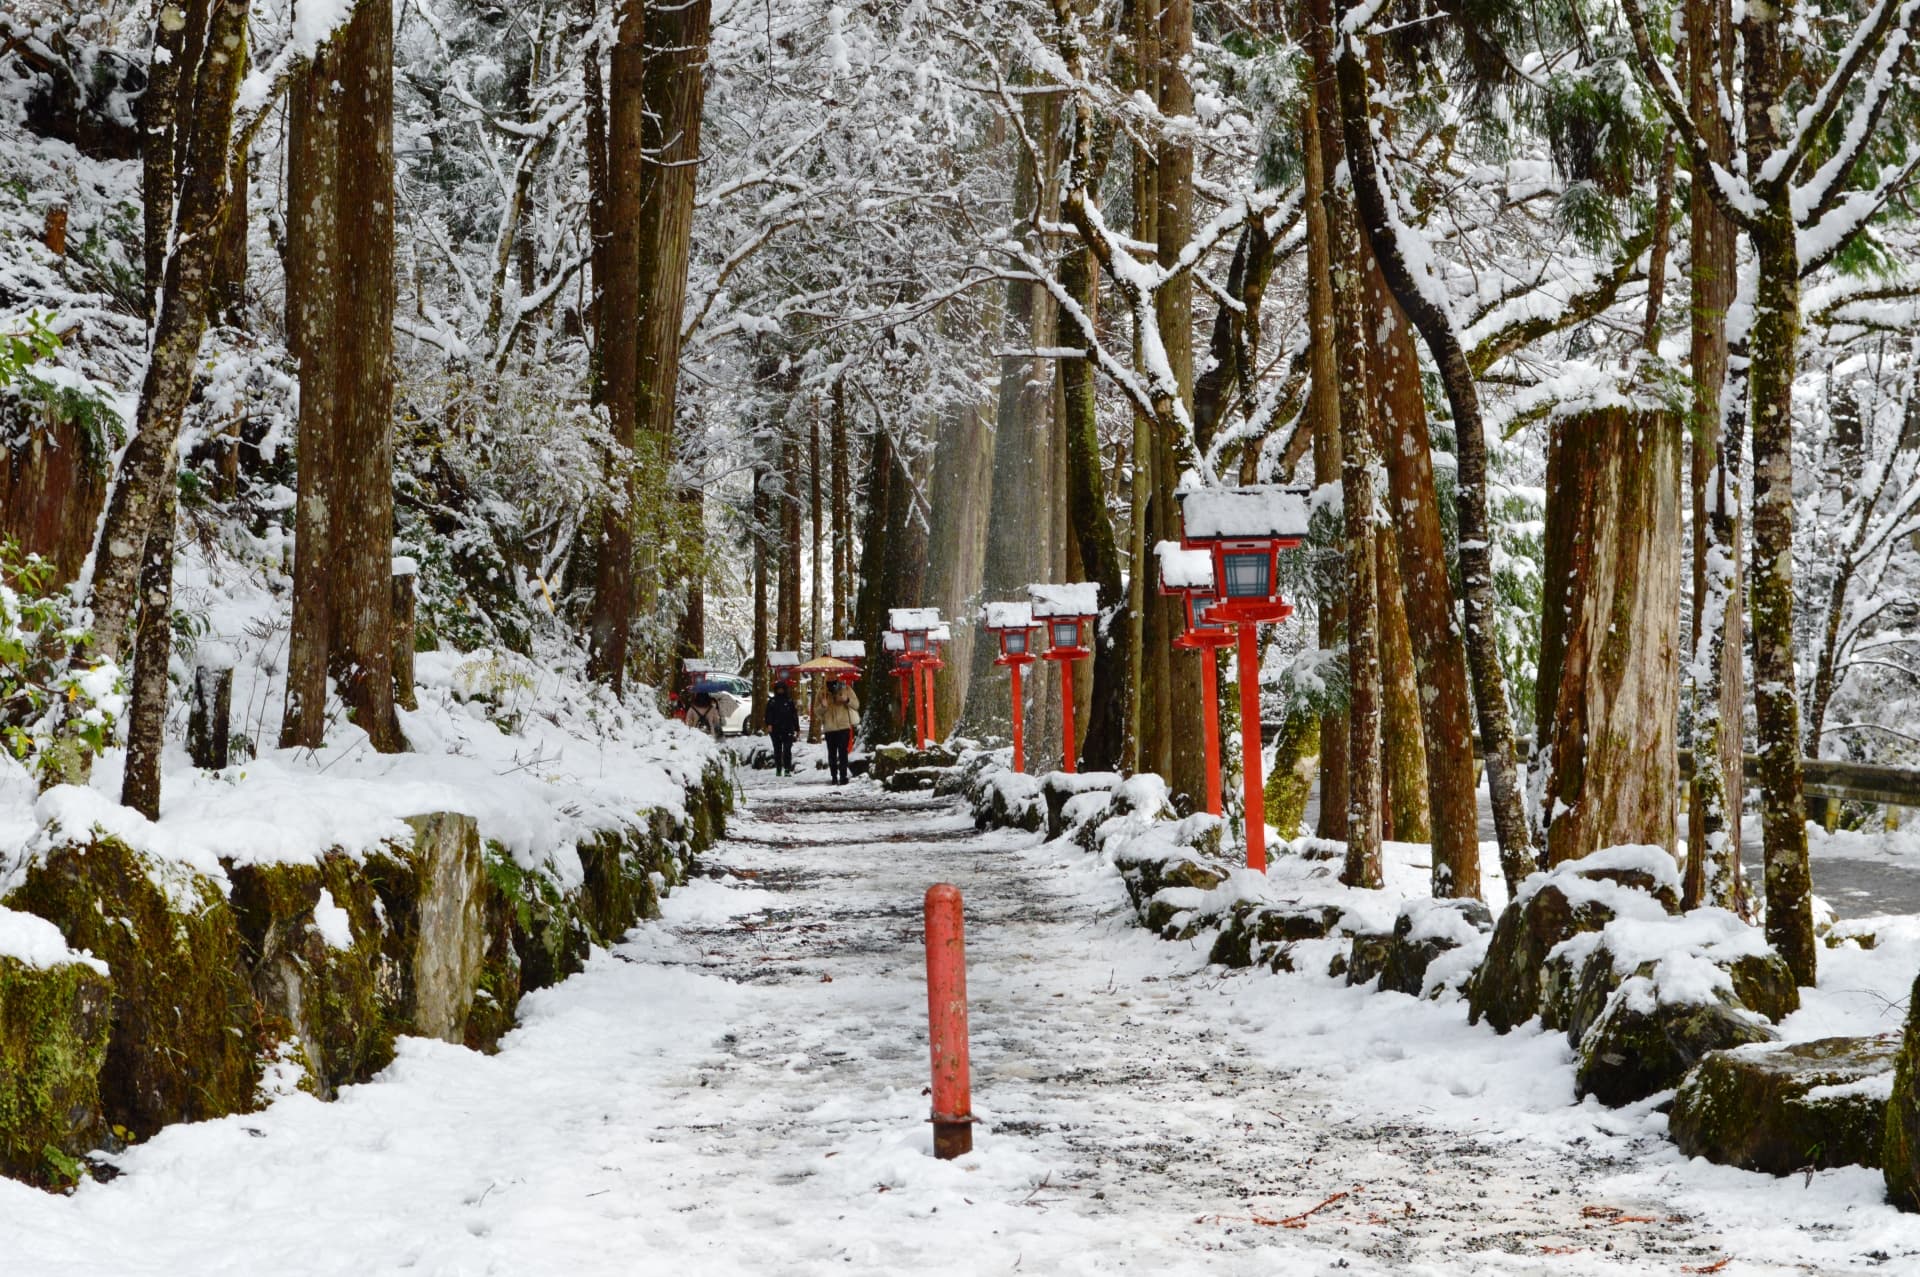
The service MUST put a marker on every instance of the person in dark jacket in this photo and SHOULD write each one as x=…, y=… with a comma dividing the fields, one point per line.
x=783, y=724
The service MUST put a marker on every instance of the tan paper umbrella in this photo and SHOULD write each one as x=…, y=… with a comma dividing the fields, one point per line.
x=827, y=665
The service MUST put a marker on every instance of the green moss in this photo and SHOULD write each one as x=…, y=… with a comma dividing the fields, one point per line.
x=1900, y=1140
x=183, y=1020
x=1756, y=1109
x=53, y=1042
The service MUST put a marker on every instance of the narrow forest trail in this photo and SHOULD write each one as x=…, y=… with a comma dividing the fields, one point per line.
x=738, y=1089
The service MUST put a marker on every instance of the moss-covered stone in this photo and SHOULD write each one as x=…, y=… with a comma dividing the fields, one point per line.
x=54, y=1026
x=1506, y=989
x=496, y=1001
x=1417, y=941
x=1366, y=957
x=308, y=988
x=1787, y=1108
x=1900, y=1140
x=434, y=942
x=181, y=1046
x=889, y=761
x=1642, y=1045
x=549, y=939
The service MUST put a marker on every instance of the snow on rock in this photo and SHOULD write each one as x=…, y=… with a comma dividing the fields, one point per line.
x=34, y=942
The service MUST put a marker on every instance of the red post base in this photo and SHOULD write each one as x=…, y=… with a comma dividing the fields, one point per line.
x=1250, y=748
x=947, y=1022
x=933, y=710
x=1019, y=737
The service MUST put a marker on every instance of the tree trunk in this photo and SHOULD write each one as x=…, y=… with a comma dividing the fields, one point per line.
x=1716, y=674
x=762, y=531
x=1104, y=741
x=842, y=518
x=1439, y=655
x=619, y=305
x=1609, y=637
x=152, y=653
x=1405, y=814
x=1775, y=335
x=341, y=299
x=814, y=544
x=674, y=95
x=1016, y=553
x=146, y=475
x=1323, y=410
x=1476, y=548
x=957, y=543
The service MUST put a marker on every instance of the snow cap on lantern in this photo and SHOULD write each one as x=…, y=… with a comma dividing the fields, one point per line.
x=847, y=649
x=1063, y=609
x=783, y=664
x=1189, y=574
x=893, y=641
x=915, y=623
x=1244, y=529
x=1013, y=624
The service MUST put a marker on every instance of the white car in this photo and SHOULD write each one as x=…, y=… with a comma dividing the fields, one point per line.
x=741, y=688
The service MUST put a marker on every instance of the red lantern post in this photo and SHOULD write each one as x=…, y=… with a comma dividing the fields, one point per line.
x=916, y=626
x=1063, y=610
x=1244, y=529
x=1013, y=625
x=1189, y=574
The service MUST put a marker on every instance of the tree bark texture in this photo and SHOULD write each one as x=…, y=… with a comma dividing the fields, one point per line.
x=957, y=541
x=146, y=474
x=1436, y=328
x=1323, y=411
x=1439, y=654
x=152, y=653
x=1609, y=641
x=1103, y=744
x=619, y=306
x=1775, y=334
x=1716, y=677
x=343, y=594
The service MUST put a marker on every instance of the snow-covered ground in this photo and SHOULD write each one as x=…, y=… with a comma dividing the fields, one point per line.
x=739, y=1090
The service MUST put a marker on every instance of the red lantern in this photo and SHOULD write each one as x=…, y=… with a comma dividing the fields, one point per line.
x=920, y=630
x=1244, y=529
x=1189, y=574
x=1064, y=610
x=1013, y=625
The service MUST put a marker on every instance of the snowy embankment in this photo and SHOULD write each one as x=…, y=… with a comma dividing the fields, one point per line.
x=291, y=916
x=1630, y=995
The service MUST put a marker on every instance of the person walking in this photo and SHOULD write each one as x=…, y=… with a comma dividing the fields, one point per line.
x=705, y=716
x=837, y=710
x=783, y=724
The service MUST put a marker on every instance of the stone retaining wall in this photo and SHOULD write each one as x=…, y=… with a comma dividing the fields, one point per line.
x=221, y=995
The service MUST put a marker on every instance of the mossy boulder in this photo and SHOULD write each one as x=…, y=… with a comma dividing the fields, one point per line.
x=618, y=890
x=496, y=999
x=1422, y=931
x=1073, y=798
x=890, y=760
x=1900, y=1139
x=1253, y=932
x=433, y=895
x=1644, y=1043
x=1365, y=958
x=1786, y=1108
x=55, y=1021
x=1576, y=897
x=310, y=938
x=182, y=1043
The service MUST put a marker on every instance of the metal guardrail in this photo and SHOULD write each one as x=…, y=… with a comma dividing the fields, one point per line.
x=1825, y=777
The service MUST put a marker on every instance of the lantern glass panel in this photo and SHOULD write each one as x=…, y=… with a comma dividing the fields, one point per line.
x=1014, y=642
x=1249, y=575
x=916, y=642
x=1197, y=605
x=1066, y=633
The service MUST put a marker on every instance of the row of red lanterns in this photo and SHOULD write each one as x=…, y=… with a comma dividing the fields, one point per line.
x=1226, y=571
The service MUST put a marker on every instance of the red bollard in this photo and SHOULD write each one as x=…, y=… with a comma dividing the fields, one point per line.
x=947, y=1022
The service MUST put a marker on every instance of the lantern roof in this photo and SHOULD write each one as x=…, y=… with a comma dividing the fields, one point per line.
x=1082, y=598
x=1267, y=510
x=693, y=665
x=847, y=649
x=1007, y=616
x=780, y=660
x=1182, y=569
x=913, y=618
x=941, y=633
x=893, y=641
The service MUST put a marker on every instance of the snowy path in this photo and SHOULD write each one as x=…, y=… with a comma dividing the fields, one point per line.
x=739, y=1091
